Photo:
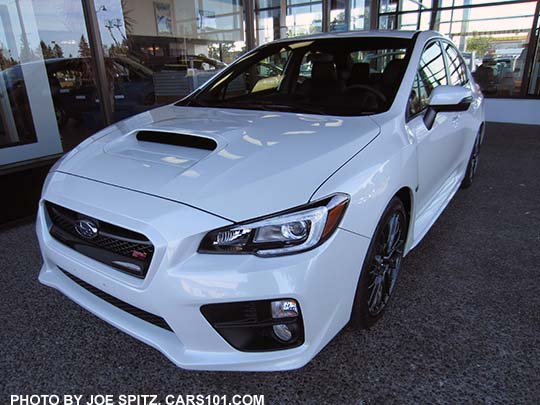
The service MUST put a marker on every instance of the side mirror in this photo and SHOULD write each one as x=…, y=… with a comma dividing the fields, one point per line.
x=447, y=99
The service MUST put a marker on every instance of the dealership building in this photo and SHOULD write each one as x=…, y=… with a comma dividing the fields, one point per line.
x=71, y=67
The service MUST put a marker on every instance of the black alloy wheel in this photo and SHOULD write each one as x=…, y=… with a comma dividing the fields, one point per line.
x=382, y=266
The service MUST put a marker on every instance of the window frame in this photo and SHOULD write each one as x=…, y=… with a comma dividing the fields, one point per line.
x=447, y=63
x=408, y=116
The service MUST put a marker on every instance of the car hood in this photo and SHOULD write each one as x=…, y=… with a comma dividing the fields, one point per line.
x=258, y=162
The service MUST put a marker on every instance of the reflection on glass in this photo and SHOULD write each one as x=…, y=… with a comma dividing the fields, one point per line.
x=493, y=40
x=349, y=15
x=405, y=14
x=534, y=85
x=324, y=76
x=287, y=18
x=456, y=3
x=159, y=51
x=388, y=6
x=47, y=86
x=15, y=117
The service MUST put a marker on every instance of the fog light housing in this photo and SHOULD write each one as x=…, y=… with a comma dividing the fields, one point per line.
x=256, y=326
x=284, y=309
x=283, y=332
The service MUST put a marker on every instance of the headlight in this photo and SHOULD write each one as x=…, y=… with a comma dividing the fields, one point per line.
x=287, y=232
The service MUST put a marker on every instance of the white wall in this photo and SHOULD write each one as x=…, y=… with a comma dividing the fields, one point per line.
x=513, y=110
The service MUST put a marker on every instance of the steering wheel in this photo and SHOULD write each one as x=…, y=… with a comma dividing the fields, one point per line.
x=372, y=90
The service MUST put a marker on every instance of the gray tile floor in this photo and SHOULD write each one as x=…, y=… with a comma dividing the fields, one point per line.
x=464, y=324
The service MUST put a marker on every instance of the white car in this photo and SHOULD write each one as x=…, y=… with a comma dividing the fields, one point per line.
x=243, y=227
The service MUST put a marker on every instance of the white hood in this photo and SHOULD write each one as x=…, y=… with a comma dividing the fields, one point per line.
x=263, y=162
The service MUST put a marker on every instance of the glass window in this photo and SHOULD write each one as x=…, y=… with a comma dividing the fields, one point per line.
x=456, y=66
x=405, y=14
x=534, y=83
x=360, y=15
x=49, y=101
x=338, y=15
x=160, y=51
x=16, y=126
x=414, y=21
x=432, y=70
x=431, y=73
x=411, y=5
x=322, y=76
x=419, y=98
x=269, y=25
x=349, y=15
x=493, y=41
x=281, y=19
x=388, y=6
x=405, y=21
x=457, y=3
x=303, y=18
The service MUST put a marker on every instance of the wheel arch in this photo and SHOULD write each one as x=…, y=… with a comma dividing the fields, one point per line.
x=406, y=195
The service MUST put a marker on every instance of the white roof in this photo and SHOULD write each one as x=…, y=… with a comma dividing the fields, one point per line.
x=361, y=34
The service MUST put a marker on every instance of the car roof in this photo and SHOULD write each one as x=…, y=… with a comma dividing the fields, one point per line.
x=363, y=34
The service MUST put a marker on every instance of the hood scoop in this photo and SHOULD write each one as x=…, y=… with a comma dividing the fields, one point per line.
x=172, y=138
x=162, y=147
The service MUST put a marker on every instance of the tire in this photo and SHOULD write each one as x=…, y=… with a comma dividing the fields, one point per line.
x=472, y=164
x=379, y=272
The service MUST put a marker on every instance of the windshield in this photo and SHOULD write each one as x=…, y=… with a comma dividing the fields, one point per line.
x=330, y=76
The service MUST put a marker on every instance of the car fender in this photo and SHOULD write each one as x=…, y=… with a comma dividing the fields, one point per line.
x=373, y=177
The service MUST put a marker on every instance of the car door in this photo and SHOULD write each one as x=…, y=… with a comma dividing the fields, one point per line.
x=438, y=148
x=467, y=125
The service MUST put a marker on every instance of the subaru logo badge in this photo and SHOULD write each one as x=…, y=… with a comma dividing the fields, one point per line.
x=86, y=228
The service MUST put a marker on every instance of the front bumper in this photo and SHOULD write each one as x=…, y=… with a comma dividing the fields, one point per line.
x=180, y=280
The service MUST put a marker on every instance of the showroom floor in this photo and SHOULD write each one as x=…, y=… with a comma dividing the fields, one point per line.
x=464, y=324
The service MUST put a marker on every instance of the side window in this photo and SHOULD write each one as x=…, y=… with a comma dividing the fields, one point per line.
x=419, y=97
x=431, y=69
x=431, y=73
x=458, y=72
x=305, y=67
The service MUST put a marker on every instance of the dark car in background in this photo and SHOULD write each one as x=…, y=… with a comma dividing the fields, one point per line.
x=136, y=88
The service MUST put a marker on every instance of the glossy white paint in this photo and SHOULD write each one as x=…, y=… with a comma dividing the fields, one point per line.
x=264, y=162
x=180, y=281
x=449, y=95
x=258, y=153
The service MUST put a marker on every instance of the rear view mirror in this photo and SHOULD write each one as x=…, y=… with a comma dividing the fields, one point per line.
x=447, y=99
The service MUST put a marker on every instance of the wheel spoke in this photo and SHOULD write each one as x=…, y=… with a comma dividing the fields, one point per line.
x=394, y=235
x=374, y=297
x=386, y=264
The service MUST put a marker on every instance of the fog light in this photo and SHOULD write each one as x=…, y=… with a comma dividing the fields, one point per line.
x=284, y=309
x=258, y=326
x=283, y=332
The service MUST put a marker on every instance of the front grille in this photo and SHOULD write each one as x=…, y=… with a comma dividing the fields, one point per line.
x=125, y=250
x=124, y=306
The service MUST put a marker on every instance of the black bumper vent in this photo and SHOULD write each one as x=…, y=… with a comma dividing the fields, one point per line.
x=124, y=306
x=125, y=250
